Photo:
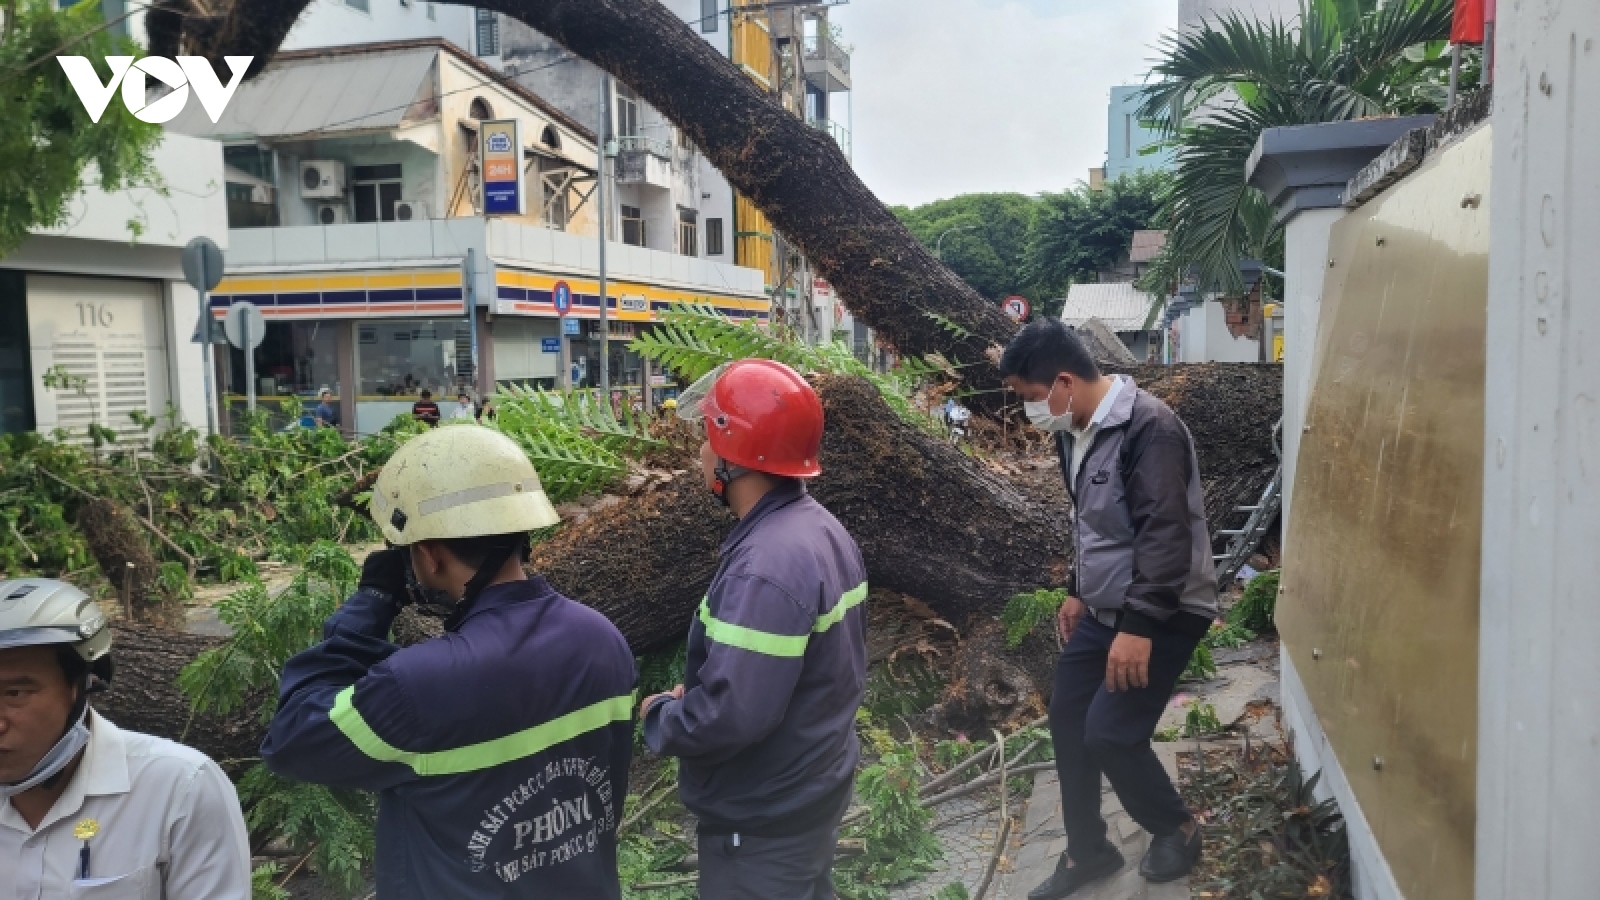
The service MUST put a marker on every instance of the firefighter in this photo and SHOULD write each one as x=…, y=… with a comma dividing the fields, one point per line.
x=86, y=808
x=764, y=724
x=499, y=751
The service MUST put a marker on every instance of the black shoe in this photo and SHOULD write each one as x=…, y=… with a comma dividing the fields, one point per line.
x=1067, y=879
x=1171, y=856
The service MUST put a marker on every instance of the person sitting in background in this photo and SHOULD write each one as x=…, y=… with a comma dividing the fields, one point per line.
x=326, y=414
x=425, y=410
x=486, y=411
x=465, y=409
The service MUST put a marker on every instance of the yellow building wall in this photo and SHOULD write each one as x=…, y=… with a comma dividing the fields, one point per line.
x=752, y=53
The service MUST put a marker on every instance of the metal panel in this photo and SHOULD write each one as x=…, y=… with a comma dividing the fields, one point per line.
x=1379, y=609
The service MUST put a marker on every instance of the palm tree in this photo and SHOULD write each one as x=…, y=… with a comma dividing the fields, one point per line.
x=1224, y=82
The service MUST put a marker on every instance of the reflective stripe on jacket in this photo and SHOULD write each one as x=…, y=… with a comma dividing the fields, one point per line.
x=775, y=670
x=499, y=751
x=1139, y=516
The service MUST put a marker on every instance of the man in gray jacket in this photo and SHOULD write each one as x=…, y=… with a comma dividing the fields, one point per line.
x=776, y=665
x=1141, y=596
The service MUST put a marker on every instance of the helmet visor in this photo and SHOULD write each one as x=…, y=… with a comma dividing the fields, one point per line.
x=695, y=403
x=39, y=636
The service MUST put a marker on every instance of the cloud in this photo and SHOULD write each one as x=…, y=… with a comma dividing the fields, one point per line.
x=957, y=96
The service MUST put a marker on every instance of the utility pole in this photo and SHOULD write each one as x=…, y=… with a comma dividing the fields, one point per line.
x=469, y=276
x=604, y=151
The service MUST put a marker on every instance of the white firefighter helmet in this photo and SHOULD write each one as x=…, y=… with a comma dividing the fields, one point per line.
x=459, y=481
x=42, y=611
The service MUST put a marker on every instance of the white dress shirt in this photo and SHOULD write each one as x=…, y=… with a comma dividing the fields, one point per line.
x=166, y=820
x=1082, y=438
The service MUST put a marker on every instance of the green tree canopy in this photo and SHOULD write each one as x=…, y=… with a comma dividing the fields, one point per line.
x=47, y=140
x=984, y=238
x=1080, y=232
x=1344, y=59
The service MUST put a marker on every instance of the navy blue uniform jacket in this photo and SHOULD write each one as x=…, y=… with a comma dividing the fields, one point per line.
x=499, y=751
x=776, y=667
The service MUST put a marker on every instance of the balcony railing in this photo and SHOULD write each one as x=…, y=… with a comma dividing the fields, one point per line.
x=839, y=133
x=638, y=143
x=822, y=47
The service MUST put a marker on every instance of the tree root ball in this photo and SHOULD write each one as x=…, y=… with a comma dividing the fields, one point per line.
x=119, y=545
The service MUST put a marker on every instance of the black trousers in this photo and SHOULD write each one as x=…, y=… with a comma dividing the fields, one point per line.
x=741, y=867
x=1096, y=730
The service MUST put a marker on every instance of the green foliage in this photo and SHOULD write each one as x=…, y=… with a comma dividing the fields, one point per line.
x=693, y=340
x=902, y=688
x=1201, y=666
x=47, y=139
x=334, y=826
x=267, y=630
x=1025, y=612
x=1078, y=233
x=1258, y=607
x=1227, y=635
x=950, y=753
x=575, y=442
x=1344, y=59
x=955, y=891
x=1201, y=720
x=899, y=845
x=983, y=238
x=264, y=885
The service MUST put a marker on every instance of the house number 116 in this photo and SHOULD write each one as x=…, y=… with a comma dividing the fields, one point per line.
x=89, y=314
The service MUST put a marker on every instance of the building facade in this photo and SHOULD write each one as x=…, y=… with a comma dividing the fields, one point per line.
x=355, y=183
x=1131, y=145
x=97, y=324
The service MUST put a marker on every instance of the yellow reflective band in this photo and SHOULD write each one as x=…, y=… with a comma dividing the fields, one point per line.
x=851, y=599
x=486, y=755
x=783, y=645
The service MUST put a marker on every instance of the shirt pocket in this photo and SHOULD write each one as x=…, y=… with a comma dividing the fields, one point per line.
x=140, y=884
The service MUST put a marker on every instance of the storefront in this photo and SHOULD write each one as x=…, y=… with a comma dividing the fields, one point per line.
x=376, y=339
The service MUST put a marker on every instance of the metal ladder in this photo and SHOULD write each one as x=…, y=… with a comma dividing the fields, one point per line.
x=1242, y=542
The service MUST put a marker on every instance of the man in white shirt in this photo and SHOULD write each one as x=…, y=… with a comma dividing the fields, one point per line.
x=88, y=810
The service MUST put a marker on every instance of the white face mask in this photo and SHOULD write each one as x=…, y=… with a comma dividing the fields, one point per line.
x=64, y=752
x=1038, y=412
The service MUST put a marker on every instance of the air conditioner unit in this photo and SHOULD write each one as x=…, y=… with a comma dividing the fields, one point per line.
x=332, y=214
x=410, y=211
x=321, y=179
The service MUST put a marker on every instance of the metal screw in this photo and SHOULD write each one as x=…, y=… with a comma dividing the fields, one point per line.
x=1330, y=263
x=1316, y=652
x=1471, y=200
x=1382, y=241
x=1377, y=763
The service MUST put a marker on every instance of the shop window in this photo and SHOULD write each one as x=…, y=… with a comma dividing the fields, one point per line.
x=295, y=361
x=632, y=226
x=627, y=122
x=400, y=359
x=714, y=237
x=16, y=369
x=376, y=190
x=709, y=14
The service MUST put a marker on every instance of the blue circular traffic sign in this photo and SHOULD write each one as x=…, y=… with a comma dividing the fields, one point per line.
x=561, y=296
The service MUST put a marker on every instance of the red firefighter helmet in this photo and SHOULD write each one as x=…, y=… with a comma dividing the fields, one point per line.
x=759, y=414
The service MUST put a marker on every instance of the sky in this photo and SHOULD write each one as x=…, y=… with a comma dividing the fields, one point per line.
x=962, y=96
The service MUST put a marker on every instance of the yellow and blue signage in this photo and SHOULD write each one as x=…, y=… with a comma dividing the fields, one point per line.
x=500, y=148
x=523, y=292
x=418, y=293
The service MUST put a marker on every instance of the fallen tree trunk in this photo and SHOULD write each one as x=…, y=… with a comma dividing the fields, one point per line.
x=796, y=175
x=931, y=521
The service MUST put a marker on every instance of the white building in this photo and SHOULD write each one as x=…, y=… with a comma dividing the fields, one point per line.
x=101, y=300
x=353, y=181
x=1121, y=307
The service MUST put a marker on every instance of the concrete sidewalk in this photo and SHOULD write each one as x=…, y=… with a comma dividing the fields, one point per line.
x=1043, y=842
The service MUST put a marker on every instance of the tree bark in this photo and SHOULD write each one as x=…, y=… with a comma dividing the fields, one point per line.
x=931, y=521
x=796, y=175
x=144, y=695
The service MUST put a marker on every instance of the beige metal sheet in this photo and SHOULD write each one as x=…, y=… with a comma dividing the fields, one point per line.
x=1379, y=608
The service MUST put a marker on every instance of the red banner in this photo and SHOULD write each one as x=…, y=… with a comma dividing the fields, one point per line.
x=1467, y=27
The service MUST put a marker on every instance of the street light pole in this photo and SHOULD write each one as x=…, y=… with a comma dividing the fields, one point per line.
x=940, y=242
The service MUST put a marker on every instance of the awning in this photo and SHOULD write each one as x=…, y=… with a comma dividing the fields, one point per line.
x=325, y=96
